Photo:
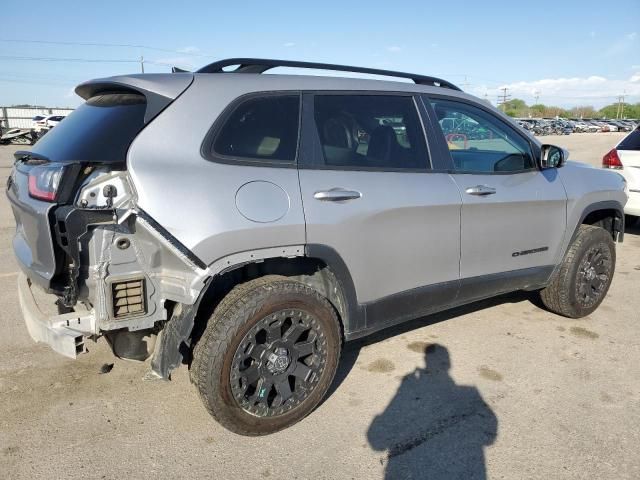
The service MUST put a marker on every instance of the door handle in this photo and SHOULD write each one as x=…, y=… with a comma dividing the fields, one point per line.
x=336, y=195
x=480, y=190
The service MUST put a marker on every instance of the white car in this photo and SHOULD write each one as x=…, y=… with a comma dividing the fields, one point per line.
x=581, y=127
x=38, y=122
x=47, y=122
x=53, y=120
x=625, y=158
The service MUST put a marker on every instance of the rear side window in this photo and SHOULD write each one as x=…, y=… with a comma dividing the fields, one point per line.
x=100, y=130
x=631, y=141
x=261, y=128
x=370, y=131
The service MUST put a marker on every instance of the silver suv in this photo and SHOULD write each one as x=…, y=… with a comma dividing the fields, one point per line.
x=248, y=224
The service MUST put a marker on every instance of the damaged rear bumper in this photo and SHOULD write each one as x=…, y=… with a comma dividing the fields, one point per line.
x=65, y=333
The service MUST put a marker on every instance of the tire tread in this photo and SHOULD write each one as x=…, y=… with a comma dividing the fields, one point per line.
x=243, y=301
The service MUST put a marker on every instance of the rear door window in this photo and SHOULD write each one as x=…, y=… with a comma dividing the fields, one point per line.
x=631, y=141
x=370, y=132
x=261, y=128
x=100, y=130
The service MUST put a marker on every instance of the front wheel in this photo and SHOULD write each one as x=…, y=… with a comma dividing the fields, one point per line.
x=583, y=279
x=267, y=356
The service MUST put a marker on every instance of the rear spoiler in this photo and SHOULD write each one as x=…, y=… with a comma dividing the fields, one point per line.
x=160, y=89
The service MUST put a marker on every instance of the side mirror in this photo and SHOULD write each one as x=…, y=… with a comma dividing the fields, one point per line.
x=552, y=157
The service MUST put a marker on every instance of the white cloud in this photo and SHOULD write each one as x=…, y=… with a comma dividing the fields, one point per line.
x=631, y=36
x=635, y=67
x=289, y=44
x=394, y=49
x=593, y=90
x=189, y=49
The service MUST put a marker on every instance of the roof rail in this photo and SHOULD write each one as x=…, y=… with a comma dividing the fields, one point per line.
x=261, y=65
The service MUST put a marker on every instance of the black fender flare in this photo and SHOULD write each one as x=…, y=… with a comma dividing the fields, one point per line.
x=594, y=207
x=169, y=351
x=356, y=318
x=602, y=205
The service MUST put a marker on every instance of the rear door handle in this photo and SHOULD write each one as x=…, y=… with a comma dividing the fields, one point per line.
x=336, y=195
x=480, y=190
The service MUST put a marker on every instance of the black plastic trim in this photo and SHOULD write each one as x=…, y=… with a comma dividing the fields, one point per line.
x=71, y=224
x=261, y=65
x=602, y=205
x=485, y=286
x=366, y=318
x=171, y=239
x=431, y=299
x=412, y=303
x=356, y=313
x=168, y=354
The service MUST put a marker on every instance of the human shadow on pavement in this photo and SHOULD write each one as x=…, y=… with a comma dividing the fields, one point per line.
x=434, y=428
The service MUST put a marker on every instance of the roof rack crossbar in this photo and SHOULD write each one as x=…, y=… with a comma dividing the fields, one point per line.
x=261, y=65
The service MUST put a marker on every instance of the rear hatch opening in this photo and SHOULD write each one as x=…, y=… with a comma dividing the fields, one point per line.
x=95, y=137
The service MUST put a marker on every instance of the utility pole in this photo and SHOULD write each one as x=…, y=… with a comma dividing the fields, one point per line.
x=502, y=99
x=624, y=93
x=465, y=84
x=536, y=95
x=142, y=63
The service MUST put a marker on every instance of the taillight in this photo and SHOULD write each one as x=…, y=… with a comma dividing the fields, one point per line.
x=44, y=181
x=612, y=160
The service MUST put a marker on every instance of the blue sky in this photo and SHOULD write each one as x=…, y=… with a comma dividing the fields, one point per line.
x=569, y=52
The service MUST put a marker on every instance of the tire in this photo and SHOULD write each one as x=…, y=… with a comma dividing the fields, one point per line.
x=631, y=220
x=282, y=332
x=583, y=279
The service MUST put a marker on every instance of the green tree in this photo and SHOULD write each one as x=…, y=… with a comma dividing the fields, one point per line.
x=515, y=108
x=537, y=110
x=613, y=110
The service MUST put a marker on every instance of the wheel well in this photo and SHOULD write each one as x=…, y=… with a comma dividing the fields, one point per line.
x=609, y=219
x=311, y=271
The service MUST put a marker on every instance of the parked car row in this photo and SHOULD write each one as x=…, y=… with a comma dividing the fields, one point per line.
x=561, y=126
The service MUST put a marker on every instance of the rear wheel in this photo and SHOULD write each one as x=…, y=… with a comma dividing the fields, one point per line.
x=583, y=279
x=268, y=355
